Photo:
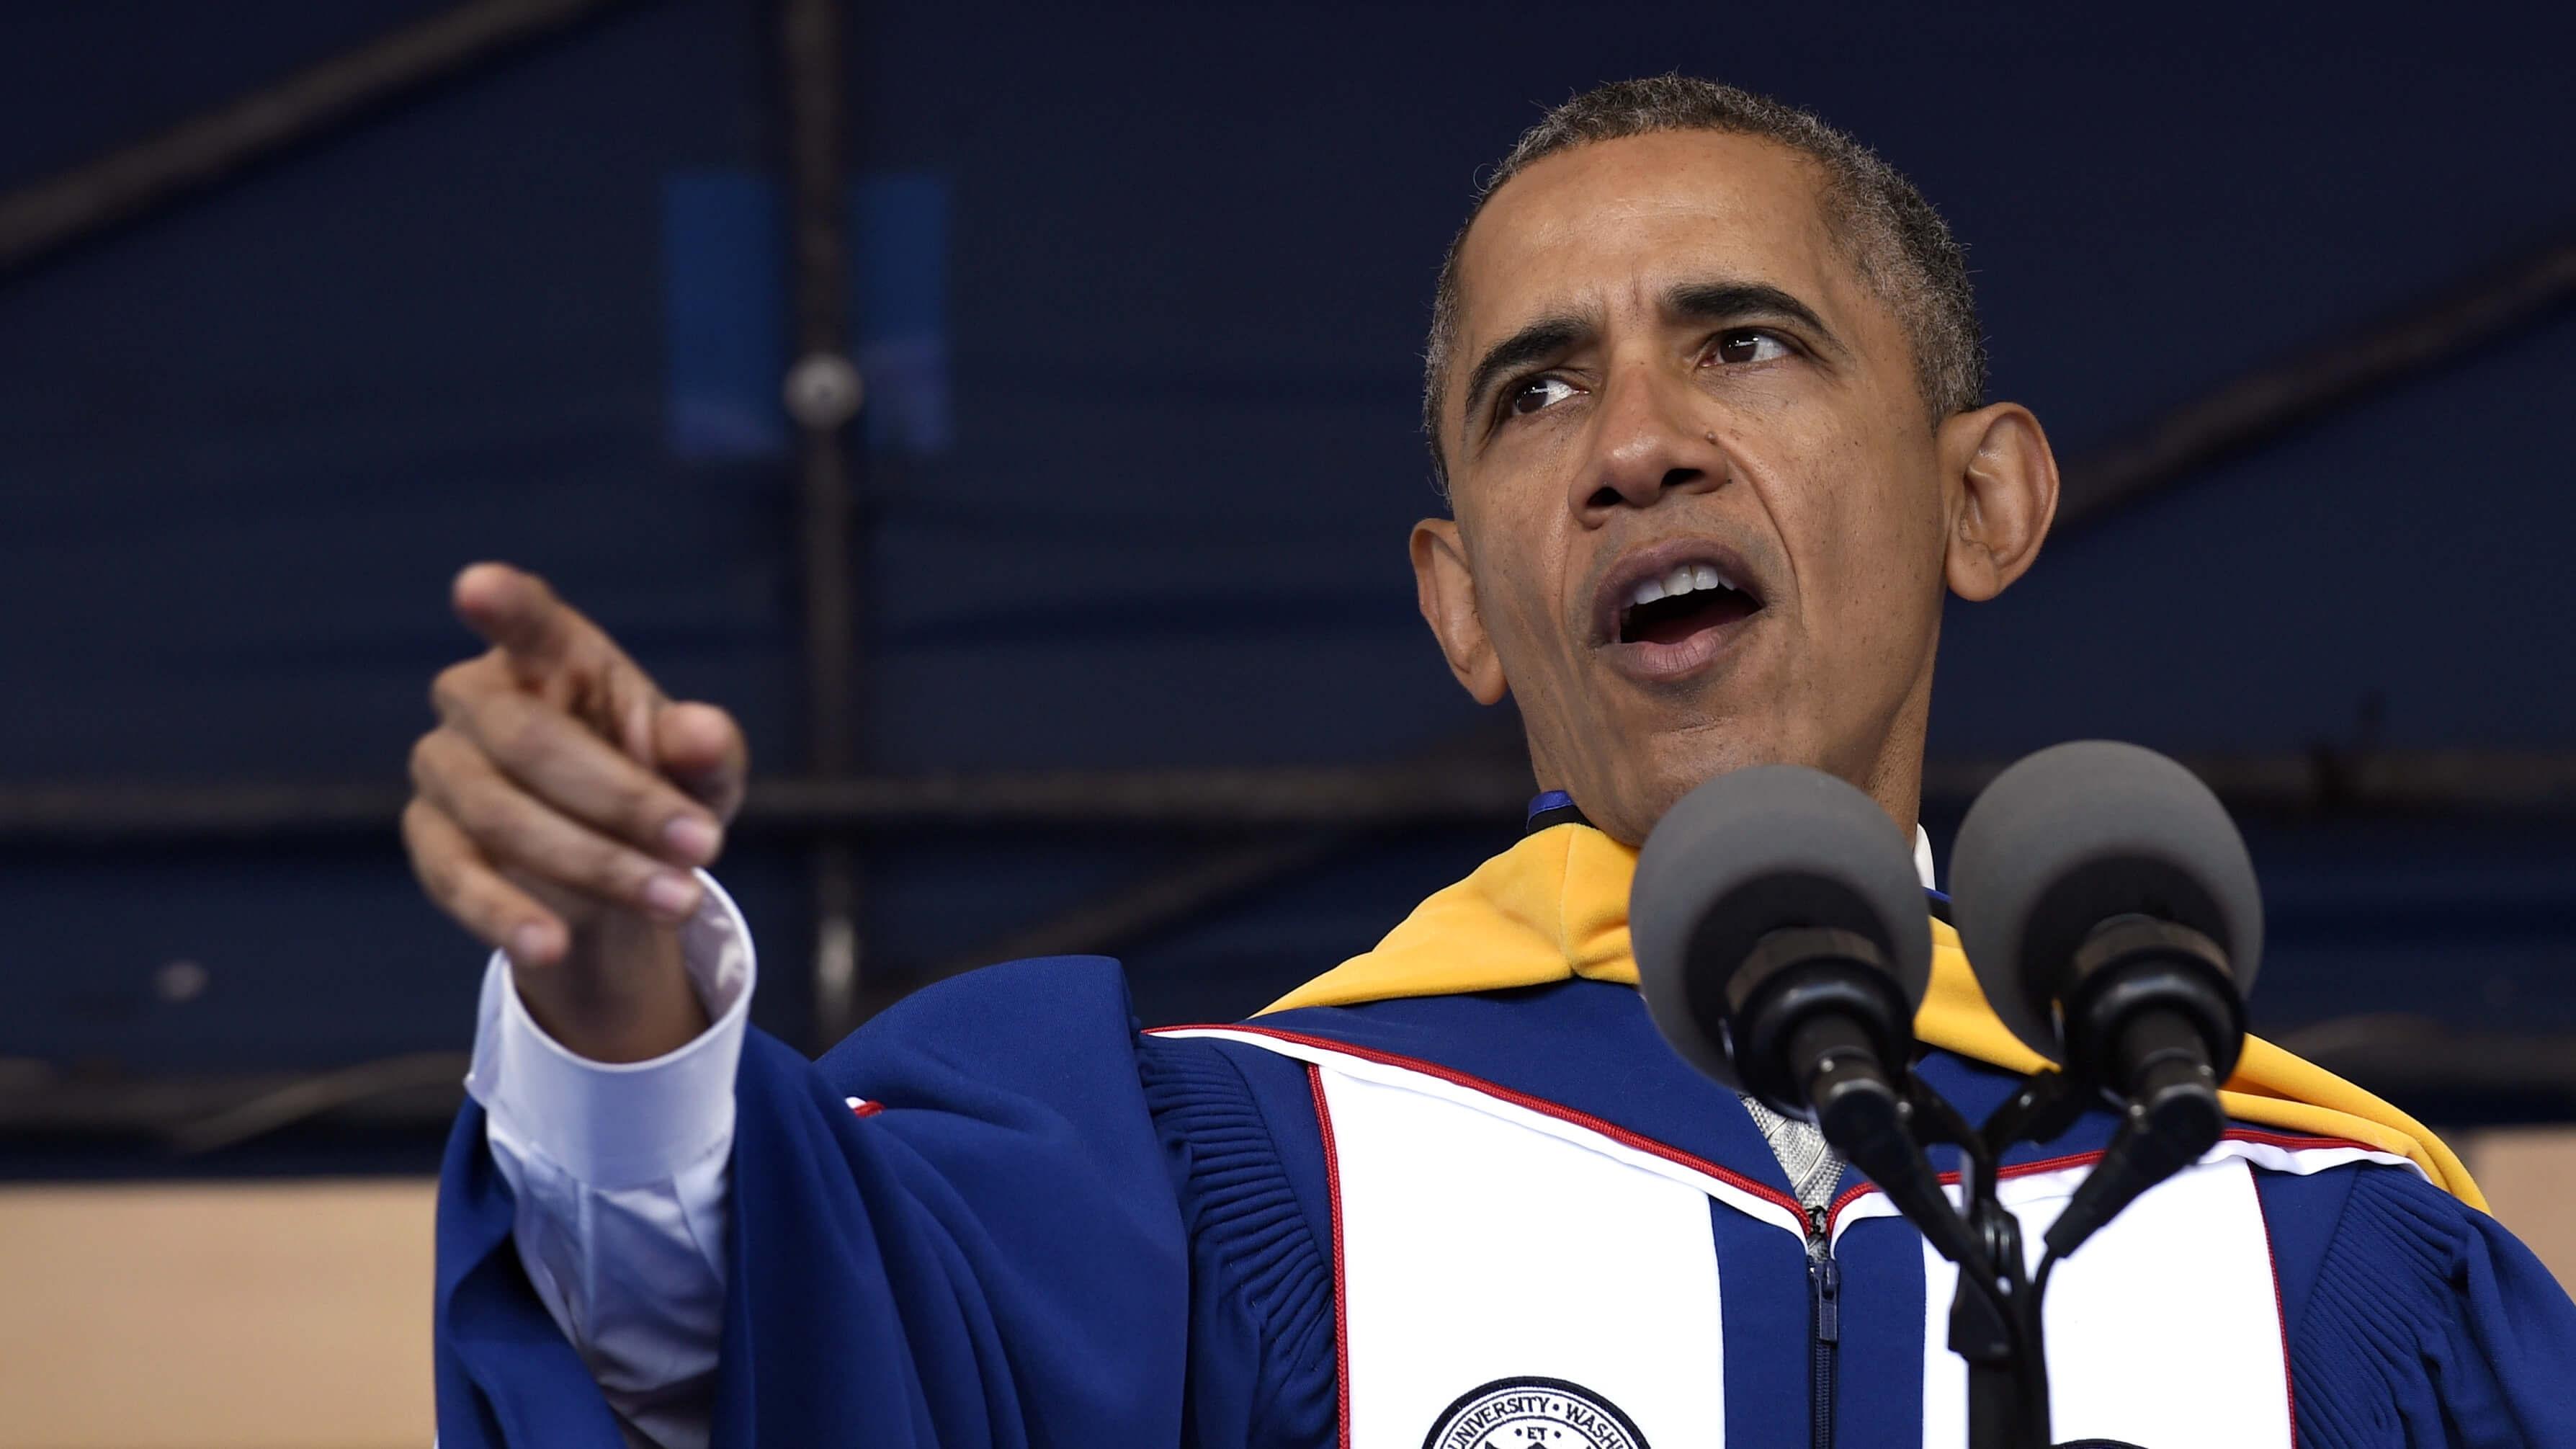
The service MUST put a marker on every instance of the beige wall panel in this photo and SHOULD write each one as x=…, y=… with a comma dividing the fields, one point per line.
x=296, y=1315
x=2529, y=1176
x=286, y=1316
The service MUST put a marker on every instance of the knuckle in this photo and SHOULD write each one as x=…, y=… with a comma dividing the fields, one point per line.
x=462, y=682
x=415, y=833
x=432, y=854
x=424, y=761
x=447, y=688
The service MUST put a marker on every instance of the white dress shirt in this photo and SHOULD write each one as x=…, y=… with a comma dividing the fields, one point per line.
x=617, y=1173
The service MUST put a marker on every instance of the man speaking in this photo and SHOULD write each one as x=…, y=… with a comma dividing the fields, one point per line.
x=1704, y=388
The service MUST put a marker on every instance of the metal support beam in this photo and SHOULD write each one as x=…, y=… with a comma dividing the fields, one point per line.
x=1363, y=797
x=823, y=394
x=2428, y=1069
x=2259, y=406
x=41, y=219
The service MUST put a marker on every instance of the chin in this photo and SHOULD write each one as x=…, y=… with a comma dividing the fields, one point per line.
x=1671, y=766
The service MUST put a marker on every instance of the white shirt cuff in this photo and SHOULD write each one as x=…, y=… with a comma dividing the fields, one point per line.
x=620, y=1125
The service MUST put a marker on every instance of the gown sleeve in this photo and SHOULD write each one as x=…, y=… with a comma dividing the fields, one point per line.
x=2418, y=1320
x=989, y=1249
x=1238, y=1129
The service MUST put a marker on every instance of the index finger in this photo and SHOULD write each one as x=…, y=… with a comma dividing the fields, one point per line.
x=517, y=613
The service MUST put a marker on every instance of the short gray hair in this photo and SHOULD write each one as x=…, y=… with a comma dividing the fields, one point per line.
x=1901, y=247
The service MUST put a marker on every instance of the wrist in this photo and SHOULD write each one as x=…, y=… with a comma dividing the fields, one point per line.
x=620, y=994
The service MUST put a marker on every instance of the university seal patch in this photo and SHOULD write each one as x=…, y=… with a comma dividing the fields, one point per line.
x=1532, y=1413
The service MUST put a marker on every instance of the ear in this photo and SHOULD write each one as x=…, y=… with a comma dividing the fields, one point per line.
x=2003, y=495
x=1446, y=589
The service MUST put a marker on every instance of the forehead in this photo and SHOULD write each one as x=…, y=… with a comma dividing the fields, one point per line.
x=1613, y=223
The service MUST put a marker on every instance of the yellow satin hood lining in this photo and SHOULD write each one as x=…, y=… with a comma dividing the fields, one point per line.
x=1555, y=906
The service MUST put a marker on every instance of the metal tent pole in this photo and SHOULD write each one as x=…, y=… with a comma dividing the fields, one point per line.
x=823, y=395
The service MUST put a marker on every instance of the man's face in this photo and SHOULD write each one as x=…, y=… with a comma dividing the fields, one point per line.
x=1670, y=379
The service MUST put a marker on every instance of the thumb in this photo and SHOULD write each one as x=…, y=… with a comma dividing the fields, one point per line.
x=701, y=749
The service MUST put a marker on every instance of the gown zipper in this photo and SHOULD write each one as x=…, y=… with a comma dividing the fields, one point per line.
x=1824, y=1296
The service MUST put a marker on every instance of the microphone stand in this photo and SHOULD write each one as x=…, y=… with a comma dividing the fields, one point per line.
x=2161, y=1004
x=1995, y=1315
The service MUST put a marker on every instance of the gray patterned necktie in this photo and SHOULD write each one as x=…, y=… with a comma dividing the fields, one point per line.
x=1814, y=1168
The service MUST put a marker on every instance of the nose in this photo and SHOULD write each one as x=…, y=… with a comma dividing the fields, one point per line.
x=1646, y=445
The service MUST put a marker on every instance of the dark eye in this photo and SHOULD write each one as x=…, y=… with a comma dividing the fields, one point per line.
x=1537, y=393
x=1749, y=345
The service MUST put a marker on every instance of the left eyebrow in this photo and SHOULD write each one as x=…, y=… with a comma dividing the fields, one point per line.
x=1720, y=302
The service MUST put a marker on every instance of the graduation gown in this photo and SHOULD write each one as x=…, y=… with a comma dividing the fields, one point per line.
x=1040, y=1226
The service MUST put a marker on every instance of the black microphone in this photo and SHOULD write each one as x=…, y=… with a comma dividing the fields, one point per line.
x=2110, y=912
x=1782, y=945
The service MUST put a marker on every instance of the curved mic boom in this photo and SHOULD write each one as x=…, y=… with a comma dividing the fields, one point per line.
x=2111, y=915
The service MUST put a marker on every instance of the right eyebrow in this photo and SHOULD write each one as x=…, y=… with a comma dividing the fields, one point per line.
x=1547, y=337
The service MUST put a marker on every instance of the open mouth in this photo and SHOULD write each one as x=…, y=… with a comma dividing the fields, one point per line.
x=1690, y=599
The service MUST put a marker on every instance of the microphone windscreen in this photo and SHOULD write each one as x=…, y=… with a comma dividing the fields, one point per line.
x=2075, y=835
x=1754, y=851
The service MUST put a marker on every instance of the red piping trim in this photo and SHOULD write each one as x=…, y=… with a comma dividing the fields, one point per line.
x=1541, y=1105
x=2280, y=1311
x=1341, y=1298
x=866, y=1109
x=1834, y=1214
x=1675, y=1155
x=2300, y=1144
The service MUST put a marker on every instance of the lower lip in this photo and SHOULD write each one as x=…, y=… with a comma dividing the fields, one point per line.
x=1665, y=663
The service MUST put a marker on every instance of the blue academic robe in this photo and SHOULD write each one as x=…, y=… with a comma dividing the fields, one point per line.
x=1061, y=1231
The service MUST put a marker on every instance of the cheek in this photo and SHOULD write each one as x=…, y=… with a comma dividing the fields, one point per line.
x=1520, y=581
x=1529, y=633
x=1865, y=527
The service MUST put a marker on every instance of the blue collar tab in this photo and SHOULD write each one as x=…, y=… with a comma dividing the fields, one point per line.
x=1552, y=807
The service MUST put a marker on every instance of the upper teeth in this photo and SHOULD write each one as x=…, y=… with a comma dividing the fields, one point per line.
x=1684, y=579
